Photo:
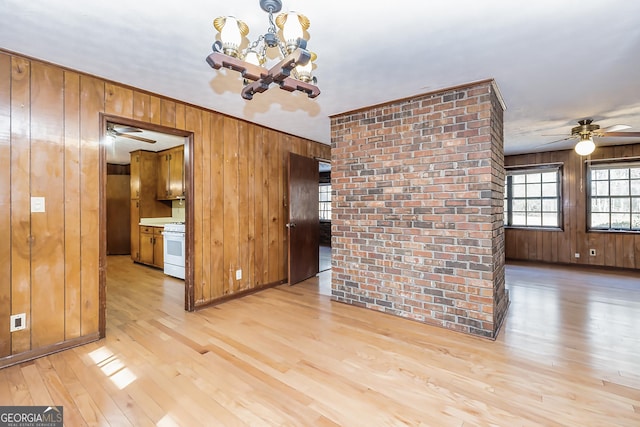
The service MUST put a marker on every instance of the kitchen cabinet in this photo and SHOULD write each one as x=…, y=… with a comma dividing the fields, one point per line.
x=170, y=180
x=144, y=203
x=151, y=246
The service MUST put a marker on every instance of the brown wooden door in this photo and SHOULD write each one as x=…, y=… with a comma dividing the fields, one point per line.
x=304, y=224
x=118, y=215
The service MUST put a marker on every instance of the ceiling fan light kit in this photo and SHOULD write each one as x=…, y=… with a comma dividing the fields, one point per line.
x=293, y=71
x=587, y=130
x=585, y=147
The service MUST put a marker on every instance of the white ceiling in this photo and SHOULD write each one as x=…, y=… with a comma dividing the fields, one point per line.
x=554, y=61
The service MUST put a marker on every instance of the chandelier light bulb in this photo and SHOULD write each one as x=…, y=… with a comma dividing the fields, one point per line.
x=304, y=72
x=585, y=147
x=232, y=31
x=293, y=26
x=252, y=57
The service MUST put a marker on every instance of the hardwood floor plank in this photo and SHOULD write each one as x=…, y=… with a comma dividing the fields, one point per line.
x=566, y=355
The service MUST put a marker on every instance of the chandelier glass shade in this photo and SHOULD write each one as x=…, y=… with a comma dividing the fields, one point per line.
x=294, y=69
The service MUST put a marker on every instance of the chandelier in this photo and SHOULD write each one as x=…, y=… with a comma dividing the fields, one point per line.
x=292, y=72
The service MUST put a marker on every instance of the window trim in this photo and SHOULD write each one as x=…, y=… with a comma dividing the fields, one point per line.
x=607, y=164
x=324, y=184
x=536, y=168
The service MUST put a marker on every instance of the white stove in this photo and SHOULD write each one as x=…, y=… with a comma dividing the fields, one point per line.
x=176, y=227
x=174, y=249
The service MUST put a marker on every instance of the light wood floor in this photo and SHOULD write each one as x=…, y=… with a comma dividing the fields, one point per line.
x=568, y=354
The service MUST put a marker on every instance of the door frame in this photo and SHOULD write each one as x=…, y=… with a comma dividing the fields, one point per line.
x=189, y=291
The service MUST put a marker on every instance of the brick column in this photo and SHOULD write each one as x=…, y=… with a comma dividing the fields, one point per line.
x=417, y=208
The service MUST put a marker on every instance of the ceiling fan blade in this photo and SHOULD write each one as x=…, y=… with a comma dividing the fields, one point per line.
x=614, y=128
x=137, y=138
x=558, y=140
x=125, y=129
x=620, y=135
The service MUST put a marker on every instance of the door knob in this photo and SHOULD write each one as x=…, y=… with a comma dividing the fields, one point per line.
x=291, y=225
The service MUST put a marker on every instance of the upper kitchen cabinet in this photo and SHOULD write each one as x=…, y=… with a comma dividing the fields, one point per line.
x=143, y=169
x=171, y=174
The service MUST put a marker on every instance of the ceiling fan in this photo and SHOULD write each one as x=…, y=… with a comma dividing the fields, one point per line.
x=126, y=131
x=587, y=130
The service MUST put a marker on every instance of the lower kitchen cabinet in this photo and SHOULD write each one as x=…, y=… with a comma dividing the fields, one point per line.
x=151, y=246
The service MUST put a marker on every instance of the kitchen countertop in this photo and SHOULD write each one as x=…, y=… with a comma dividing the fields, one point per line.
x=158, y=222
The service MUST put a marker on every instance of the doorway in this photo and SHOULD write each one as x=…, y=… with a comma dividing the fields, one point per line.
x=140, y=154
x=324, y=209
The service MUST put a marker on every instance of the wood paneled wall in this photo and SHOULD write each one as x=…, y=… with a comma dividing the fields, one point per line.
x=612, y=249
x=50, y=129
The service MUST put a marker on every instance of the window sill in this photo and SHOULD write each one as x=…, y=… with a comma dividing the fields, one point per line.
x=516, y=227
x=596, y=230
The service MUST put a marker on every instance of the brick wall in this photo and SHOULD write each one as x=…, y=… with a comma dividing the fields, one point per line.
x=417, y=208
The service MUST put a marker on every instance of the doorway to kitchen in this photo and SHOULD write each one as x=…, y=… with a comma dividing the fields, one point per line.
x=147, y=186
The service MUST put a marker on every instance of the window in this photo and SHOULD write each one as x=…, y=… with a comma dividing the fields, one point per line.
x=532, y=197
x=614, y=197
x=325, y=202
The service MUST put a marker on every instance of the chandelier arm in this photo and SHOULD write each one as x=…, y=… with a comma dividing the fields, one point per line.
x=249, y=71
x=280, y=73
x=290, y=85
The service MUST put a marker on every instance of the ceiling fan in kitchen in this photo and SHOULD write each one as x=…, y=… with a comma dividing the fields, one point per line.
x=126, y=132
x=586, y=131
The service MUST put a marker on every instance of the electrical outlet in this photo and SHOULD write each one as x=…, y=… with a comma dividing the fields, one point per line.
x=238, y=274
x=592, y=252
x=18, y=322
x=577, y=255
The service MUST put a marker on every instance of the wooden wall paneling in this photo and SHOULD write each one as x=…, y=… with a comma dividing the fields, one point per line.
x=257, y=206
x=47, y=228
x=216, y=180
x=91, y=105
x=611, y=258
x=274, y=205
x=5, y=202
x=193, y=121
x=612, y=249
x=552, y=248
x=72, y=204
x=564, y=242
x=243, y=206
x=252, y=193
x=231, y=236
x=203, y=292
x=625, y=247
x=167, y=113
x=261, y=209
x=200, y=188
x=155, y=116
x=574, y=194
x=118, y=100
x=636, y=252
x=181, y=115
x=141, y=106
x=20, y=200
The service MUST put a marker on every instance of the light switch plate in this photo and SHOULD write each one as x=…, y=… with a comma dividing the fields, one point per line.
x=37, y=204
